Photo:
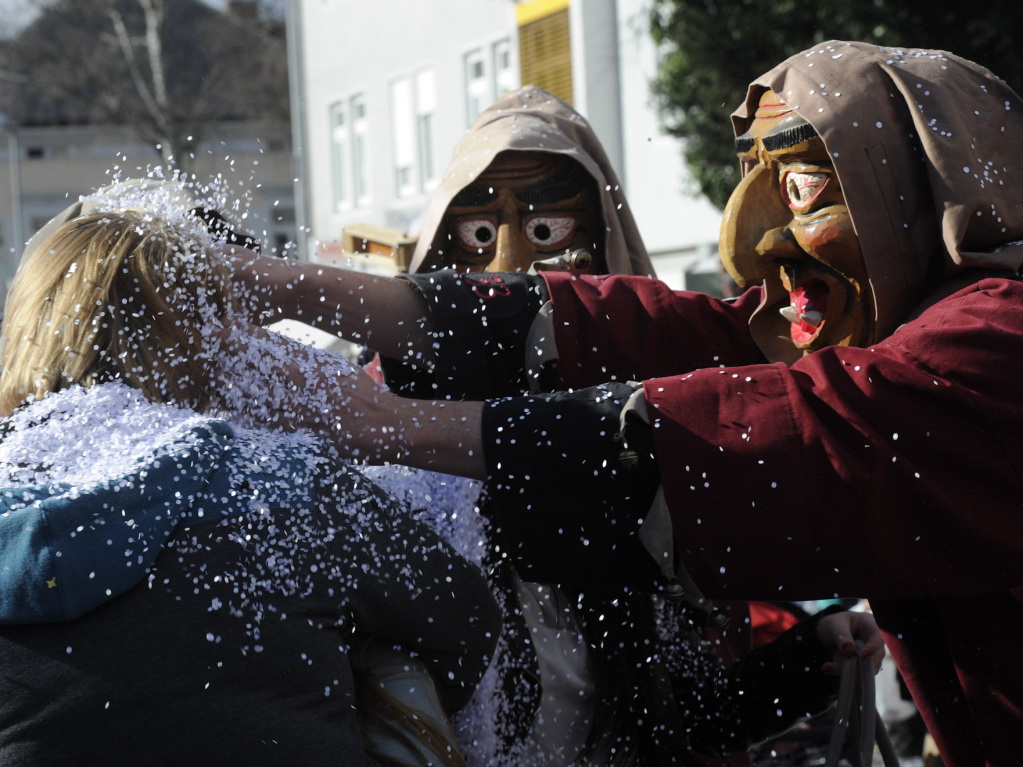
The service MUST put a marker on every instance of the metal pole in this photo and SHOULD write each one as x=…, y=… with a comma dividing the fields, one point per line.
x=293, y=29
x=14, y=167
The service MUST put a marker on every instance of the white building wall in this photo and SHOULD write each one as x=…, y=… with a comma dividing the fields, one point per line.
x=670, y=213
x=596, y=75
x=352, y=47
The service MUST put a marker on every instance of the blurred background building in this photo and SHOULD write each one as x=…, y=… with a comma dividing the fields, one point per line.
x=95, y=89
x=386, y=88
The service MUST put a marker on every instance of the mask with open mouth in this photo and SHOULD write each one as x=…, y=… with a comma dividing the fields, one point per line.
x=787, y=225
x=806, y=311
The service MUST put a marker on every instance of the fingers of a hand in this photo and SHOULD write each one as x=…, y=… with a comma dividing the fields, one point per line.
x=874, y=650
x=841, y=635
x=844, y=645
x=865, y=631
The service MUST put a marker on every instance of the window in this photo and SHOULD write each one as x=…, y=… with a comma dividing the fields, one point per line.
x=360, y=149
x=426, y=105
x=504, y=75
x=413, y=104
x=477, y=89
x=403, y=130
x=488, y=74
x=349, y=130
x=340, y=145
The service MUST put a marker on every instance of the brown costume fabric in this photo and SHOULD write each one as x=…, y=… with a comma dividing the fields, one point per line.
x=533, y=120
x=875, y=108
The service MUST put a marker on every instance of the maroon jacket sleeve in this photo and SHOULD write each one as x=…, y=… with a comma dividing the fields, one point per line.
x=621, y=328
x=891, y=471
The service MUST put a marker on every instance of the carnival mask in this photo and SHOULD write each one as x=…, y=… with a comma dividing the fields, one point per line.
x=787, y=225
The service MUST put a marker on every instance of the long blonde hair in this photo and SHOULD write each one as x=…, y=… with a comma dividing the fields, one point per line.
x=114, y=295
x=392, y=718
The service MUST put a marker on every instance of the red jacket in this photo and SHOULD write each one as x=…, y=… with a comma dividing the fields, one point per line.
x=891, y=472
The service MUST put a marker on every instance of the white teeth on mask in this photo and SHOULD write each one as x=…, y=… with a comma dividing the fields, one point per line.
x=812, y=317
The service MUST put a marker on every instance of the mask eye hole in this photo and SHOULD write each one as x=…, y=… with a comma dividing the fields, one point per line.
x=800, y=189
x=548, y=232
x=476, y=234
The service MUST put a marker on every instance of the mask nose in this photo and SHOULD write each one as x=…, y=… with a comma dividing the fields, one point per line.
x=511, y=252
x=754, y=227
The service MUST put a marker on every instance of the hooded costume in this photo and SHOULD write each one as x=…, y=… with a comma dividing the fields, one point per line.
x=474, y=365
x=532, y=120
x=890, y=471
x=501, y=720
x=526, y=120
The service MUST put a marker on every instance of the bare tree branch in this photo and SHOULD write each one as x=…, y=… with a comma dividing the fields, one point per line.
x=166, y=69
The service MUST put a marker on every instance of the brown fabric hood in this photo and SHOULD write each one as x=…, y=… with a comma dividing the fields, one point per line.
x=927, y=148
x=533, y=120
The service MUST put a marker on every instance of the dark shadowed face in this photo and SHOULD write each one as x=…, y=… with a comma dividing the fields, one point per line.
x=525, y=207
x=787, y=225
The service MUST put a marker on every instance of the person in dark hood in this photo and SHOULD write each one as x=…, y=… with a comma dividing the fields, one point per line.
x=529, y=182
x=529, y=187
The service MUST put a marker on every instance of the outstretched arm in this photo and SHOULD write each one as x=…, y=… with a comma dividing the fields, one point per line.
x=439, y=435
x=273, y=381
x=382, y=313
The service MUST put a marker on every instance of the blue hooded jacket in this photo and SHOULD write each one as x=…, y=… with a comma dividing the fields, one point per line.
x=67, y=547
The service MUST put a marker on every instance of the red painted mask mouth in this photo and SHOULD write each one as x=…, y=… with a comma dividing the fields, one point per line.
x=808, y=305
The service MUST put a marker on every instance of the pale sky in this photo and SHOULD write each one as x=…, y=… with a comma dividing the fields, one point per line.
x=14, y=14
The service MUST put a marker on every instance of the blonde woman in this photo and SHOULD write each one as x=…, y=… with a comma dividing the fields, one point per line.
x=176, y=586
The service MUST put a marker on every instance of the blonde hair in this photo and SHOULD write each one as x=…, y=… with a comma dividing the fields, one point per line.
x=114, y=295
x=389, y=717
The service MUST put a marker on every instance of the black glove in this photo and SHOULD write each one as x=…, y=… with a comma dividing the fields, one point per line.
x=483, y=321
x=567, y=492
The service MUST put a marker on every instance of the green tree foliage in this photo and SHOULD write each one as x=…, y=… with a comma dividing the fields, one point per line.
x=711, y=49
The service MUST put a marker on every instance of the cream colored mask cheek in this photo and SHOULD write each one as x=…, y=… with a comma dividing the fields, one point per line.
x=753, y=219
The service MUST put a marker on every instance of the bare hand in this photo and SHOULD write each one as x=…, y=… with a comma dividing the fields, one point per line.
x=841, y=631
x=267, y=380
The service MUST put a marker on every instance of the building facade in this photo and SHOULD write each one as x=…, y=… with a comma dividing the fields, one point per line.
x=384, y=90
x=45, y=168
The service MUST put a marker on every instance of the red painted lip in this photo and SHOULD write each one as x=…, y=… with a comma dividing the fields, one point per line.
x=810, y=297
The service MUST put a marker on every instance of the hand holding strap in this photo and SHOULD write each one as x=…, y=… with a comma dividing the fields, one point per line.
x=857, y=724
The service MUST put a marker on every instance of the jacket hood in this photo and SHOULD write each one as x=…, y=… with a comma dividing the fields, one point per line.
x=926, y=146
x=533, y=120
x=96, y=480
